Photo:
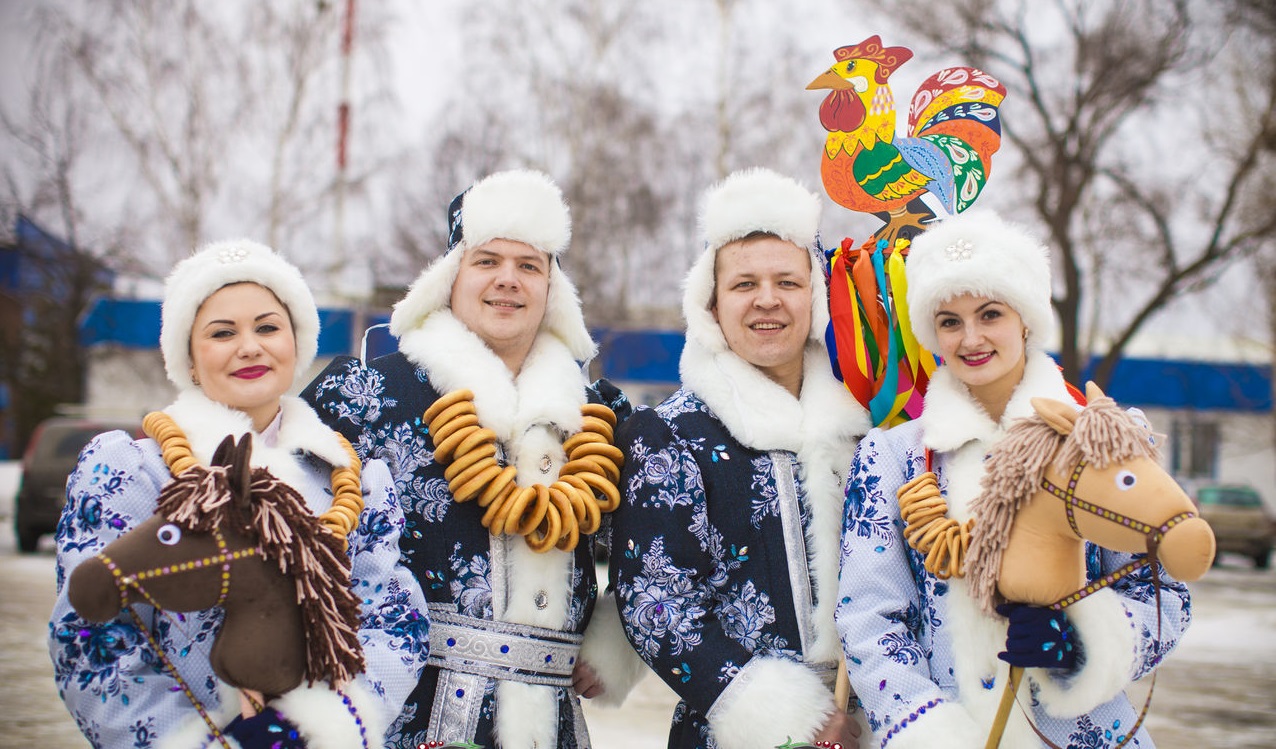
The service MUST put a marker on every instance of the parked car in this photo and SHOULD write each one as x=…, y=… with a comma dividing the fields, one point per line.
x=50, y=457
x=1242, y=524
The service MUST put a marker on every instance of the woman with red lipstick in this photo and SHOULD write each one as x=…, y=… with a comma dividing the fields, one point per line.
x=928, y=665
x=239, y=326
x=725, y=545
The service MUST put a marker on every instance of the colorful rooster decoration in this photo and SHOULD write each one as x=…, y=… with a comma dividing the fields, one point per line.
x=954, y=129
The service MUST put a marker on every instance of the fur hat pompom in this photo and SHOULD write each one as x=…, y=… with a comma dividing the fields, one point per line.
x=978, y=253
x=221, y=264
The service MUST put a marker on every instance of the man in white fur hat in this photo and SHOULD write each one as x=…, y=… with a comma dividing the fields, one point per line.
x=725, y=557
x=496, y=316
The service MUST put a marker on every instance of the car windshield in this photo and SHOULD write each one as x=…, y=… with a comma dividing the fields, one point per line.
x=1229, y=496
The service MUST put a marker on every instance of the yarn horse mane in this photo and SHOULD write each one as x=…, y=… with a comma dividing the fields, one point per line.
x=284, y=577
x=1145, y=508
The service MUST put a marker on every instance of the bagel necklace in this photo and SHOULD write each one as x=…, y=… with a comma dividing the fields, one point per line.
x=928, y=529
x=553, y=516
x=347, y=495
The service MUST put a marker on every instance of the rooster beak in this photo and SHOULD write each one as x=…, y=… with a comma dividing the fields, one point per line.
x=828, y=79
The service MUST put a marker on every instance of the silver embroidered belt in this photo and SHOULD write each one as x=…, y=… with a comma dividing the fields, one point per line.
x=501, y=650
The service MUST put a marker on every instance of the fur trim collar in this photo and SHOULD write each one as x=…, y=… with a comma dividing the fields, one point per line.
x=550, y=389
x=763, y=415
x=951, y=417
x=207, y=422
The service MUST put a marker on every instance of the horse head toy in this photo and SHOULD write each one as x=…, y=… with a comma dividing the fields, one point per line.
x=236, y=537
x=1060, y=479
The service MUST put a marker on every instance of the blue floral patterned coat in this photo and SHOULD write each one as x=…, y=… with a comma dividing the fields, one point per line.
x=725, y=546
x=923, y=657
x=110, y=677
x=462, y=567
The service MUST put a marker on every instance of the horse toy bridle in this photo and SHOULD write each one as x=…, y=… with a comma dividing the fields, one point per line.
x=224, y=557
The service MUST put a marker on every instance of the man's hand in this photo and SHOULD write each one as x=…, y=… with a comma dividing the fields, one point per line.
x=585, y=681
x=840, y=729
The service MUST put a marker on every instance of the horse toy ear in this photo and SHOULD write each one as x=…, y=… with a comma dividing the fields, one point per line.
x=1092, y=392
x=240, y=473
x=1059, y=415
x=222, y=456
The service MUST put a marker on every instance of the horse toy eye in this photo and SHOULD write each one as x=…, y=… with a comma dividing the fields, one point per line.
x=1126, y=480
x=169, y=534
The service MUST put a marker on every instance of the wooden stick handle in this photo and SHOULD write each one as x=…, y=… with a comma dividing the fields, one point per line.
x=1003, y=709
x=842, y=687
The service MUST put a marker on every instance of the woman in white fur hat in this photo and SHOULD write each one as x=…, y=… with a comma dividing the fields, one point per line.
x=238, y=326
x=492, y=333
x=725, y=547
x=923, y=658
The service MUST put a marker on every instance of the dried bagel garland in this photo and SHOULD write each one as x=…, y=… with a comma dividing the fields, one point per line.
x=929, y=530
x=552, y=516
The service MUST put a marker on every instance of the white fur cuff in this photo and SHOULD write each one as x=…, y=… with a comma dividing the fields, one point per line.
x=946, y=724
x=606, y=650
x=1109, y=651
x=325, y=721
x=770, y=701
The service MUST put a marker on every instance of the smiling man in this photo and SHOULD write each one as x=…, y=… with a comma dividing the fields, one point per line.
x=492, y=332
x=726, y=540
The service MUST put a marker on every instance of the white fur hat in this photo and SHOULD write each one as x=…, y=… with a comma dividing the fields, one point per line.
x=220, y=264
x=978, y=253
x=519, y=205
x=748, y=201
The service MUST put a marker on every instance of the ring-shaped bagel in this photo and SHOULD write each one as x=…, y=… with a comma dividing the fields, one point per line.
x=582, y=438
x=472, y=488
x=504, y=481
x=452, y=412
x=599, y=411
x=444, y=450
x=448, y=428
x=593, y=515
x=475, y=468
x=601, y=449
x=475, y=439
x=543, y=540
x=583, y=465
x=514, y=506
x=463, y=462
x=573, y=497
x=595, y=424
x=456, y=396
x=606, y=487
x=605, y=466
x=532, y=516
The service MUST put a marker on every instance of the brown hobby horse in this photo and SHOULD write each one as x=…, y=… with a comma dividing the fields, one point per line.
x=236, y=537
